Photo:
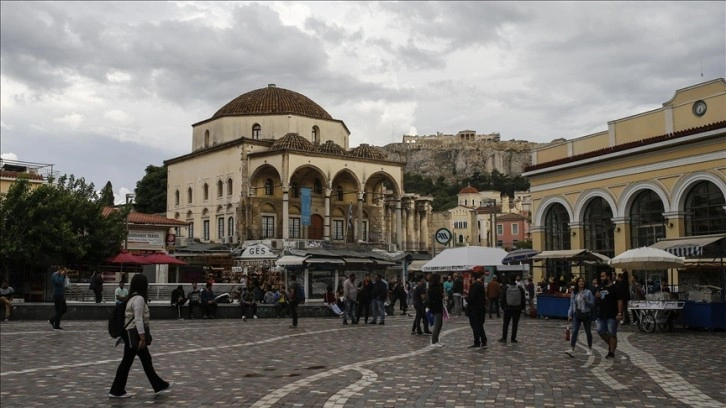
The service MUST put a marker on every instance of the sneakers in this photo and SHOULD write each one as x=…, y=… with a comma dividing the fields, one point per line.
x=165, y=388
x=6, y=320
x=124, y=395
x=514, y=341
x=610, y=355
x=570, y=352
x=437, y=345
x=52, y=325
x=244, y=318
x=254, y=316
x=589, y=352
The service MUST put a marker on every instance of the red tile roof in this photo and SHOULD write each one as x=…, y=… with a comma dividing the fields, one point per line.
x=141, y=218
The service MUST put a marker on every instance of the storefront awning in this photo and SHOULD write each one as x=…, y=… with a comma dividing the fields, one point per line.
x=687, y=246
x=336, y=261
x=417, y=265
x=358, y=260
x=572, y=255
x=290, y=260
x=385, y=263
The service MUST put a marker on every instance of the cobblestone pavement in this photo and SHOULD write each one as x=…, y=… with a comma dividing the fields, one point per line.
x=264, y=363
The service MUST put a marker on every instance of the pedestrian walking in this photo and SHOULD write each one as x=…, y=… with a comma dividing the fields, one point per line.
x=137, y=318
x=581, y=303
x=379, y=293
x=513, y=303
x=350, y=291
x=476, y=304
x=419, y=303
x=609, y=311
x=493, y=294
x=436, y=307
x=458, y=290
x=58, y=282
x=292, y=296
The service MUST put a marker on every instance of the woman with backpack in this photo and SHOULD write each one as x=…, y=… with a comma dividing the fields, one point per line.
x=582, y=302
x=137, y=330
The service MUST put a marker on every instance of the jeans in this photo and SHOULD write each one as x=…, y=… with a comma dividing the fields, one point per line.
x=494, y=307
x=122, y=373
x=576, y=329
x=249, y=308
x=420, y=316
x=476, y=321
x=281, y=309
x=363, y=310
x=512, y=315
x=191, y=308
x=59, y=302
x=350, y=307
x=379, y=309
x=438, y=322
x=457, y=304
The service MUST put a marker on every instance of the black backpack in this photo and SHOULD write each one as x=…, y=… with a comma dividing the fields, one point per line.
x=116, y=325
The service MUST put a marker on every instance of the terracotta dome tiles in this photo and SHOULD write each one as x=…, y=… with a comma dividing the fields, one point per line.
x=270, y=101
x=367, y=151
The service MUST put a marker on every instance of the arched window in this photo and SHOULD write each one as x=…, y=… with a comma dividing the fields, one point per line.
x=647, y=224
x=317, y=186
x=206, y=191
x=557, y=228
x=256, y=131
x=339, y=193
x=230, y=226
x=189, y=195
x=295, y=189
x=206, y=138
x=269, y=187
x=460, y=239
x=704, y=208
x=229, y=187
x=316, y=135
x=599, y=228
x=176, y=197
x=220, y=188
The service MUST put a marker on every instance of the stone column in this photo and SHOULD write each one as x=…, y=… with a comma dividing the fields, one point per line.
x=285, y=212
x=359, y=222
x=424, y=246
x=399, y=215
x=326, y=219
x=409, y=225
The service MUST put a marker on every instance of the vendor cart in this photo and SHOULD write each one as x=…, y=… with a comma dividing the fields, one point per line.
x=656, y=313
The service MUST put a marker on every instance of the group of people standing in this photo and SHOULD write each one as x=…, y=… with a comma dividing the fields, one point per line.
x=366, y=299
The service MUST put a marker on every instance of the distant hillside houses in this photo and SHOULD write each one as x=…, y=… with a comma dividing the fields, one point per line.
x=461, y=136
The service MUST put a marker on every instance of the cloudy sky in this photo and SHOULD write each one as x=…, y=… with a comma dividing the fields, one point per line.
x=102, y=90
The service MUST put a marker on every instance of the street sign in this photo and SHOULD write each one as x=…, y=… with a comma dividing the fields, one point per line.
x=443, y=236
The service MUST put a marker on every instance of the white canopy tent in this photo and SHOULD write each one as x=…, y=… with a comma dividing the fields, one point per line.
x=465, y=258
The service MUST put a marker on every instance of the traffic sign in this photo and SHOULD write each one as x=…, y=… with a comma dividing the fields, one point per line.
x=443, y=236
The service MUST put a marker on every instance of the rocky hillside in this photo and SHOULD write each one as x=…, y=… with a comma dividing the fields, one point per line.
x=457, y=161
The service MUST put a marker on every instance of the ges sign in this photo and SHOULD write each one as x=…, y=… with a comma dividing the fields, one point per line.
x=257, y=251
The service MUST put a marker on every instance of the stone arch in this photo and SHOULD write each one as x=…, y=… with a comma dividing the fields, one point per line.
x=632, y=190
x=588, y=195
x=545, y=205
x=380, y=178
x=305, y=175
x=683, y=186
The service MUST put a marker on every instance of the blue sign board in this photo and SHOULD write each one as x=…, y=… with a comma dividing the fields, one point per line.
x=306, y=200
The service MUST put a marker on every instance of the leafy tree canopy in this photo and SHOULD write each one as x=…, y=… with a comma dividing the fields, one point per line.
x=445, y=193
x=151, y=191
x=61, y=222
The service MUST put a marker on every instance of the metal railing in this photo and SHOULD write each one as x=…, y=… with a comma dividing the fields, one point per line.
x=158, y=292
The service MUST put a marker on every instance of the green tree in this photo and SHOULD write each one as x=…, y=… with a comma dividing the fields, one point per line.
x=61, y=222
x=107, y=197
x=151, y=191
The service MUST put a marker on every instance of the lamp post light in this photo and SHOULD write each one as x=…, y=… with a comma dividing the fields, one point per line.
x=492, y=233
x=129, y=199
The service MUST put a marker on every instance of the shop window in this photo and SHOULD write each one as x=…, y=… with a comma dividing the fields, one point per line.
x=704, y=208
x=647, y=224
x=557, y=228
x=598, y=227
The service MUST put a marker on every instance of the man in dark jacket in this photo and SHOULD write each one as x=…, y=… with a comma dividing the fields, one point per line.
x=379, y=294
x=364, y=299
x=419, y=297
x=513, y=301
x=476, y=304
x=178, y=300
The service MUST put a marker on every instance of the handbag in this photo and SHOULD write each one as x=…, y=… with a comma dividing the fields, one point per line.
x=134, y=337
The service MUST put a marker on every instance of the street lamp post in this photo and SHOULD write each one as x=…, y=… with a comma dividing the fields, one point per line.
x=129, y=198
x=492, y=233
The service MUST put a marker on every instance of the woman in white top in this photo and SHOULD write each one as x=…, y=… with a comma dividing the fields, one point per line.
x=137, y=316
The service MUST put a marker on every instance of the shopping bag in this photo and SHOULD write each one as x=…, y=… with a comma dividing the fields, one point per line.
x=567, y=333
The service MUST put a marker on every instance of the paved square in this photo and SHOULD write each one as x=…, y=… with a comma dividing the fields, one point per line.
x=263, y=363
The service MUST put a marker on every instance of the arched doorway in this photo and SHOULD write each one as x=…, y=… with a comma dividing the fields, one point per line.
x=315, y=231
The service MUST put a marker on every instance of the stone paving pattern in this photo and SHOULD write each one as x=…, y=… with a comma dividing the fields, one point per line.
x=264, y=363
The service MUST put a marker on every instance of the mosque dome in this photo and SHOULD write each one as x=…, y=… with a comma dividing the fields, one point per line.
x=367, y=151
x=330, y=147
x=469, y=190
x=272, y=101
x=293, y=141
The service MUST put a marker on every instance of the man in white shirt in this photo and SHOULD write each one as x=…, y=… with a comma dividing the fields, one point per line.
x=121, y=293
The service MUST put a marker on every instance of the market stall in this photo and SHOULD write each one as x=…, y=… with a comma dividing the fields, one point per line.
x=555, y=302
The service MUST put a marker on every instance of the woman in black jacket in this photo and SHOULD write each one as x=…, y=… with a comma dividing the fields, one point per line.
x=436, y=307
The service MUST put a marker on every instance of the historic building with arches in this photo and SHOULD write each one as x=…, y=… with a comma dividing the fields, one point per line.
x=652, y=176
x=274, y=165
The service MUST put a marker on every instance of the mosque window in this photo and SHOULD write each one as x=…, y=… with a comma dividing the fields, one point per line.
x=206, y=191
x=206, y=138
x=256, y=131
x=176, y=197
x=317, y=186
x=220, y=188
x=269, y=187
x=316, y=135
x=189, y=195
x=295, y=189
x=339, y=193
x=229, y=187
